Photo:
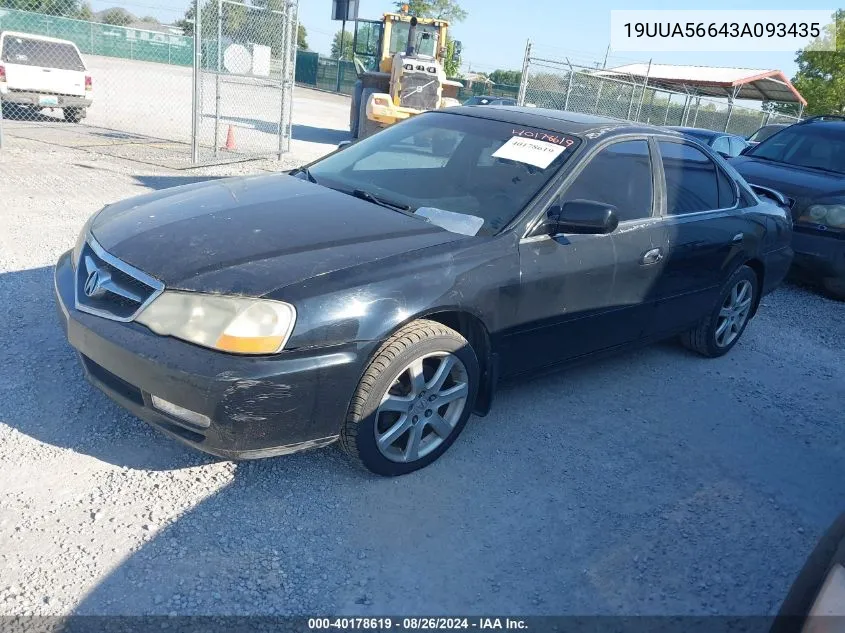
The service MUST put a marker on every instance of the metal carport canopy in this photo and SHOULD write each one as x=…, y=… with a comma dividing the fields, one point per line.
x=711, y=81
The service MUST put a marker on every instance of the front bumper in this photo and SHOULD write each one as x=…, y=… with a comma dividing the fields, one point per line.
x=819, y=255
x=41, y=100
x=258, y=406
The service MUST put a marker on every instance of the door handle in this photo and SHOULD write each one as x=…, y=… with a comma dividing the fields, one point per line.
x=652, y=257
x=737, y=239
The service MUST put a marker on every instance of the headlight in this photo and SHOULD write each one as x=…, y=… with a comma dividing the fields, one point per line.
x=829, y=215
x=239, y=325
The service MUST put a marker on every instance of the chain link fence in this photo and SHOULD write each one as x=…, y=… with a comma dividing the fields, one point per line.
x=563, y=85
x=151, y=94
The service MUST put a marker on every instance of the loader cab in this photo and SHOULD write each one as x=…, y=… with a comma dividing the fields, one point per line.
x=376, y=42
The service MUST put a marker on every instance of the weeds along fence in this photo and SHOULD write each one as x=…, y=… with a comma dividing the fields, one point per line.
x=562, y=85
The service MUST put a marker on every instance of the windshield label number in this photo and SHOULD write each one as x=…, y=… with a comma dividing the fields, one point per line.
x=529, y=151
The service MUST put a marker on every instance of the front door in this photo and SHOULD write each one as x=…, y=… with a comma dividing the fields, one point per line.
x=570, y=300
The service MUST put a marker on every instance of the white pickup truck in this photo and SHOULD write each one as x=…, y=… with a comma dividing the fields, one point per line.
x=42, y=72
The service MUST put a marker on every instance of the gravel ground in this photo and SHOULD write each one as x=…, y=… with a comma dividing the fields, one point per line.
x=655, y=482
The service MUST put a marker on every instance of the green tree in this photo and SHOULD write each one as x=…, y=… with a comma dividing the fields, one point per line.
x=821, y=74
x=343, y=51
x=85, y=12
x=116, y=16
x=301, y=37
x=448, y=10
x=506, y=77
x=150, y=19
x=66, y=8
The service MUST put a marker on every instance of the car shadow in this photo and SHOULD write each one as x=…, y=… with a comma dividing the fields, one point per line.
x=166, y=182
x=307, y=133
x=30, y=115
x=46, y=396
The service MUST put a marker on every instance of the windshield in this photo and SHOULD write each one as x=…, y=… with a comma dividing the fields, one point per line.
x=461, y=164
x=399, y=38
x=765, y=132
x=32, y=52
x=816, y=146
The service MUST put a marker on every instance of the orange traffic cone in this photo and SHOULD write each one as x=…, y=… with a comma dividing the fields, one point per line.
x=230, y=140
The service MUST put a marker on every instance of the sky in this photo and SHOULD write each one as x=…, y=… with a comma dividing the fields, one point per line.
x=495, y=32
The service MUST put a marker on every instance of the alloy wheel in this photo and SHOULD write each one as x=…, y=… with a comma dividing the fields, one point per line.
x=421, y=408
x=734, y=313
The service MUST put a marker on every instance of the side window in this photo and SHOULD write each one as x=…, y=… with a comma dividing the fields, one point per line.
x=722, y=144
x=727, y=191
x=620, y=175
x=691, y=179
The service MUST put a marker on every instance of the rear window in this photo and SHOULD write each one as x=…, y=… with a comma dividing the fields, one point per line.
x=33, y=52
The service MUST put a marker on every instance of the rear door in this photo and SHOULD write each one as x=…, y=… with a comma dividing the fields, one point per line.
x=36, y=65
x=706, y=233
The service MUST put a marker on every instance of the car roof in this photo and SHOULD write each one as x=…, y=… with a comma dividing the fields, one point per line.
x=32, y=36
x=561, y=121
x=698, y=131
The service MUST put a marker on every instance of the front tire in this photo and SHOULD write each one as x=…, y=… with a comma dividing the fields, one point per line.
x=413, y=400
x=365, y=126
x=720, y=330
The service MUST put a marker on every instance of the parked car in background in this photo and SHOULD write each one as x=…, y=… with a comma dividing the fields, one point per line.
x=806, y=161
x=39, y=72
x=727, y=145
x=765, y=132
x=377, y=295
x=490, y=100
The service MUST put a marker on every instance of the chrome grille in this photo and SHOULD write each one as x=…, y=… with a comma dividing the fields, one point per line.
x=418, y=91
x=111, y=288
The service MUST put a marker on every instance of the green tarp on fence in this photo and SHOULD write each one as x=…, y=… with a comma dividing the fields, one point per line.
x=103, y=39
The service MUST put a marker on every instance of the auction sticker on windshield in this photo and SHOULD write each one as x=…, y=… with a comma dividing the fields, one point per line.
x=529, y=151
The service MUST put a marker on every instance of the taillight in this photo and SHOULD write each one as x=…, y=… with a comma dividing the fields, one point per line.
x=88, y=83
x=2, y=73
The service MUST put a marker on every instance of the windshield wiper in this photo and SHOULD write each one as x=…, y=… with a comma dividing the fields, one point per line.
x=308, y=174
x=384, y=202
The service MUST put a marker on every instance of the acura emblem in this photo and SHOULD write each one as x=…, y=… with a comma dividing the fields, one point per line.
x=92, y=284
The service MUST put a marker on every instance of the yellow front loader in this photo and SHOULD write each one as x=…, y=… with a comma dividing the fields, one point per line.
x=399, y=61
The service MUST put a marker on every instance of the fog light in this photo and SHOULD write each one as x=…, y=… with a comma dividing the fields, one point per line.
x=197, y=419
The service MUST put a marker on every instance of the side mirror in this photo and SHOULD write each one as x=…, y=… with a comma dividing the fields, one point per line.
x=816, y=600
x=582, y=217
x=745, y=150
x=343, y=145
x=724, y=155
x=457, y=47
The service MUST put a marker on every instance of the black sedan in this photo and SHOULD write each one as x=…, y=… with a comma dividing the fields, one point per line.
x=378, y=295
x=727, y=145
x=806, y=161
x=765, y=132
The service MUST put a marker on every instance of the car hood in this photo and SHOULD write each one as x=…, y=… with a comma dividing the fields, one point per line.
x=256, y=234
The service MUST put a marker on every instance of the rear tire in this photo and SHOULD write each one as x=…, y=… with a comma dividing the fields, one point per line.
x=835, y=287
x=720, y=330
x=365, y=126
x=413, y=400
x=73, y=115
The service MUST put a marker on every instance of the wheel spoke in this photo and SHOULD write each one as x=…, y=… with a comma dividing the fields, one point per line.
x=722, y=327
x=734, y=296
x=440, y=426
x=453, y=393
x=743, y=294
x=415, y=372
x=442, y=373
x=726, y=312
x=399, y=404
x=412, y=450
x=744, y=305
x=395, y=432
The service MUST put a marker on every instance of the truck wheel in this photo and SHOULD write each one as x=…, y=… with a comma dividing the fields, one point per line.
x=365, y=126
x=74, y=115
x=835, y=287
x=413, y=400
x=720, y=330
x=354, y=108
